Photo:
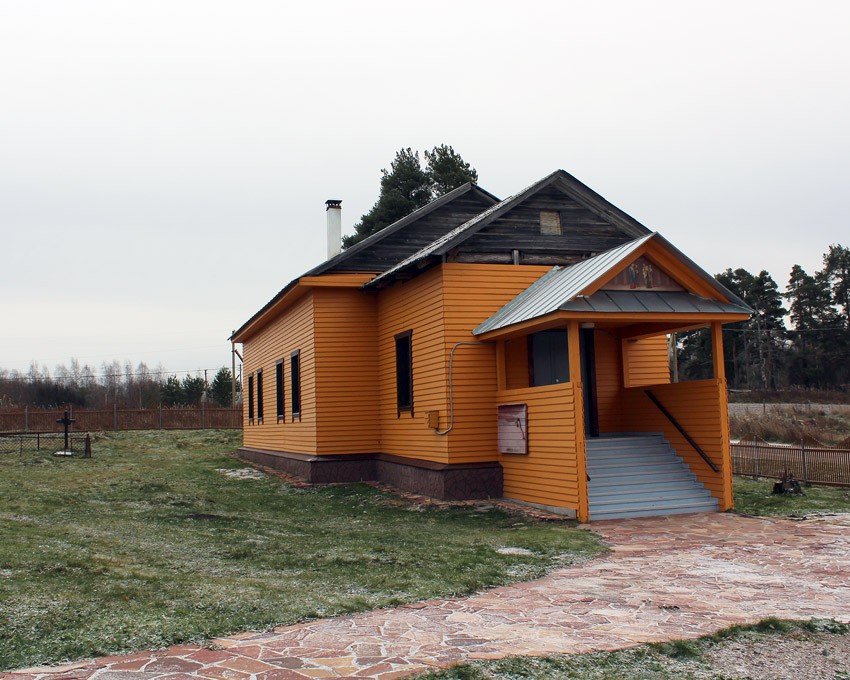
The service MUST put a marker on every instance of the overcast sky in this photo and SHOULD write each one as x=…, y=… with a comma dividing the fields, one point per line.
x=164, y=164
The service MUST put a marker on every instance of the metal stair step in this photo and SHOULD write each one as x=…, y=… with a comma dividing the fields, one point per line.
x=665, y=498
x=636, y=463
x=649, y=490
x=622, y=454
x=611, y=478
x=672, y=508
x=626, y=446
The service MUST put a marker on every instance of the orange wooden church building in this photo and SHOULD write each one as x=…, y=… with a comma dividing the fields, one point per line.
x=483, y=348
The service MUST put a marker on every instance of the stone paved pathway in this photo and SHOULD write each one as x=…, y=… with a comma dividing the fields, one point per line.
x=666, y=578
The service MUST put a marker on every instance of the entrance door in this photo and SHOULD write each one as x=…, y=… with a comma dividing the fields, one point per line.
x=588, y=379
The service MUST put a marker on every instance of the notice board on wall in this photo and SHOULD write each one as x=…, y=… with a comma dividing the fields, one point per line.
x=513, y=428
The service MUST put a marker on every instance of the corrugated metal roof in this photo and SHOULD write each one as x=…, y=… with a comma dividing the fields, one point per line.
x=557, y=290
x=679, y=302
x=558, y=286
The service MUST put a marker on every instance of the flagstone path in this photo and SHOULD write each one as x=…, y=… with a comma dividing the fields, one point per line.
x=666, y=578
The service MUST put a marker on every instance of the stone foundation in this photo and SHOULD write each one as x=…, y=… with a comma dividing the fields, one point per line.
x=466, y=481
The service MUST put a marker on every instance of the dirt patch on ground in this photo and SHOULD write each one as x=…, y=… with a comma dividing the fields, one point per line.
x=814, y=656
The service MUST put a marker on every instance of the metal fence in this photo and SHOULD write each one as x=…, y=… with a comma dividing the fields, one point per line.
x=33, y=442
x=115, y=419
x=808, y=463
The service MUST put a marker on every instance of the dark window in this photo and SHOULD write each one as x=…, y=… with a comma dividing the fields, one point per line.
x=295, y=378
x=251, y=398
x=278, y=383
x=549, y=358
x=260, y=396
x=404, y=371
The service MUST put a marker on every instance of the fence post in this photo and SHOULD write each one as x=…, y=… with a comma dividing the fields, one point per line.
x=203, y=414
x=160, y=415
x=26, y=419
x=756, y=462
x=38, y=441
x=115, y=416
x=805, y=471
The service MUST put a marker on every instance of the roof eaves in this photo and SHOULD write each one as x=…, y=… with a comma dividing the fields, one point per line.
x=367, y=242
x=557, y=287
x=704, y=275
x=283, y=291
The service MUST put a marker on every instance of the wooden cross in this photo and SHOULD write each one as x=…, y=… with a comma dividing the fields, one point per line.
x=66, y=420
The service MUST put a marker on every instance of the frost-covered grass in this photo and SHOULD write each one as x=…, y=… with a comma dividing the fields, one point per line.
x=151, y=543
x=756, y=498
x=739, y=649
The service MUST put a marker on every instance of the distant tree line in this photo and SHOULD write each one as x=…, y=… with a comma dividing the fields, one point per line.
x=765, y=354
x=124, y=385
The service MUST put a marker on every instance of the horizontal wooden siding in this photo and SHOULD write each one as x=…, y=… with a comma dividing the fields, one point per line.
x=549, y=474
x=291, y=331
x=415, y=305
x=471, y=294
x=347, y=403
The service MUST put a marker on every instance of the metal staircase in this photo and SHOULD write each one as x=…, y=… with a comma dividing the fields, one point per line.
x=641, y=475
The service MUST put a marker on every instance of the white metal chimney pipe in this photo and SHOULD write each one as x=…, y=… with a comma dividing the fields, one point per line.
x=334, y=210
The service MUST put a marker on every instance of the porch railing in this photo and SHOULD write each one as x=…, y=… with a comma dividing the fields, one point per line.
x=681, y=430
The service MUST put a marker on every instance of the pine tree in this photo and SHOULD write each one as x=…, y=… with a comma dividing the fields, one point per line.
x=407, y=186
x=811, y=311
x=171, y=392
x=220, y=387
x=447, y=170
x=194, y=388
x=836, y=271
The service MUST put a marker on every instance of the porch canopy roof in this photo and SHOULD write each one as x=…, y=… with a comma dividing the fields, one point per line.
x=581, y=291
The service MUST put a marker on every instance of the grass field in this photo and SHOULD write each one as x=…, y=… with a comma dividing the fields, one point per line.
x=756, y=498
x=159, y=539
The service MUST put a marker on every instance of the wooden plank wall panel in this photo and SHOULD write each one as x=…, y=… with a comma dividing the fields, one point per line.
x=516, y=363
x=646, y=361
x=409, y=239
x=472, y=293
x=347, y=402
x=293, y=330
x=583, y=230
x=549, y=474
x=609, y=380
x=415, y=305
x=699, y=406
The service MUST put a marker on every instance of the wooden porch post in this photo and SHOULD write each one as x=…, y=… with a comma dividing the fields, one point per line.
x=717, y=350
x=501, y=376
x=727, y=502
x=574, y=348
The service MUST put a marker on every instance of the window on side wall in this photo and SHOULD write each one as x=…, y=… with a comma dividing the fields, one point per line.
x=404, y=371
x=295, y=379
x=260, y=396
x=549, y=360
x=251, y=399
x=278, y=385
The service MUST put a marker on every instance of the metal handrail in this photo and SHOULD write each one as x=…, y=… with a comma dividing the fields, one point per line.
x=675, y=423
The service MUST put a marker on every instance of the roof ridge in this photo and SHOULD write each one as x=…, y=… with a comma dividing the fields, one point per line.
x=572, y=186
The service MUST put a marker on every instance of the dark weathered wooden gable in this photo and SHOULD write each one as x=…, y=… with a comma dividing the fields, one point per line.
x=403, y=243
x=517, y=236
